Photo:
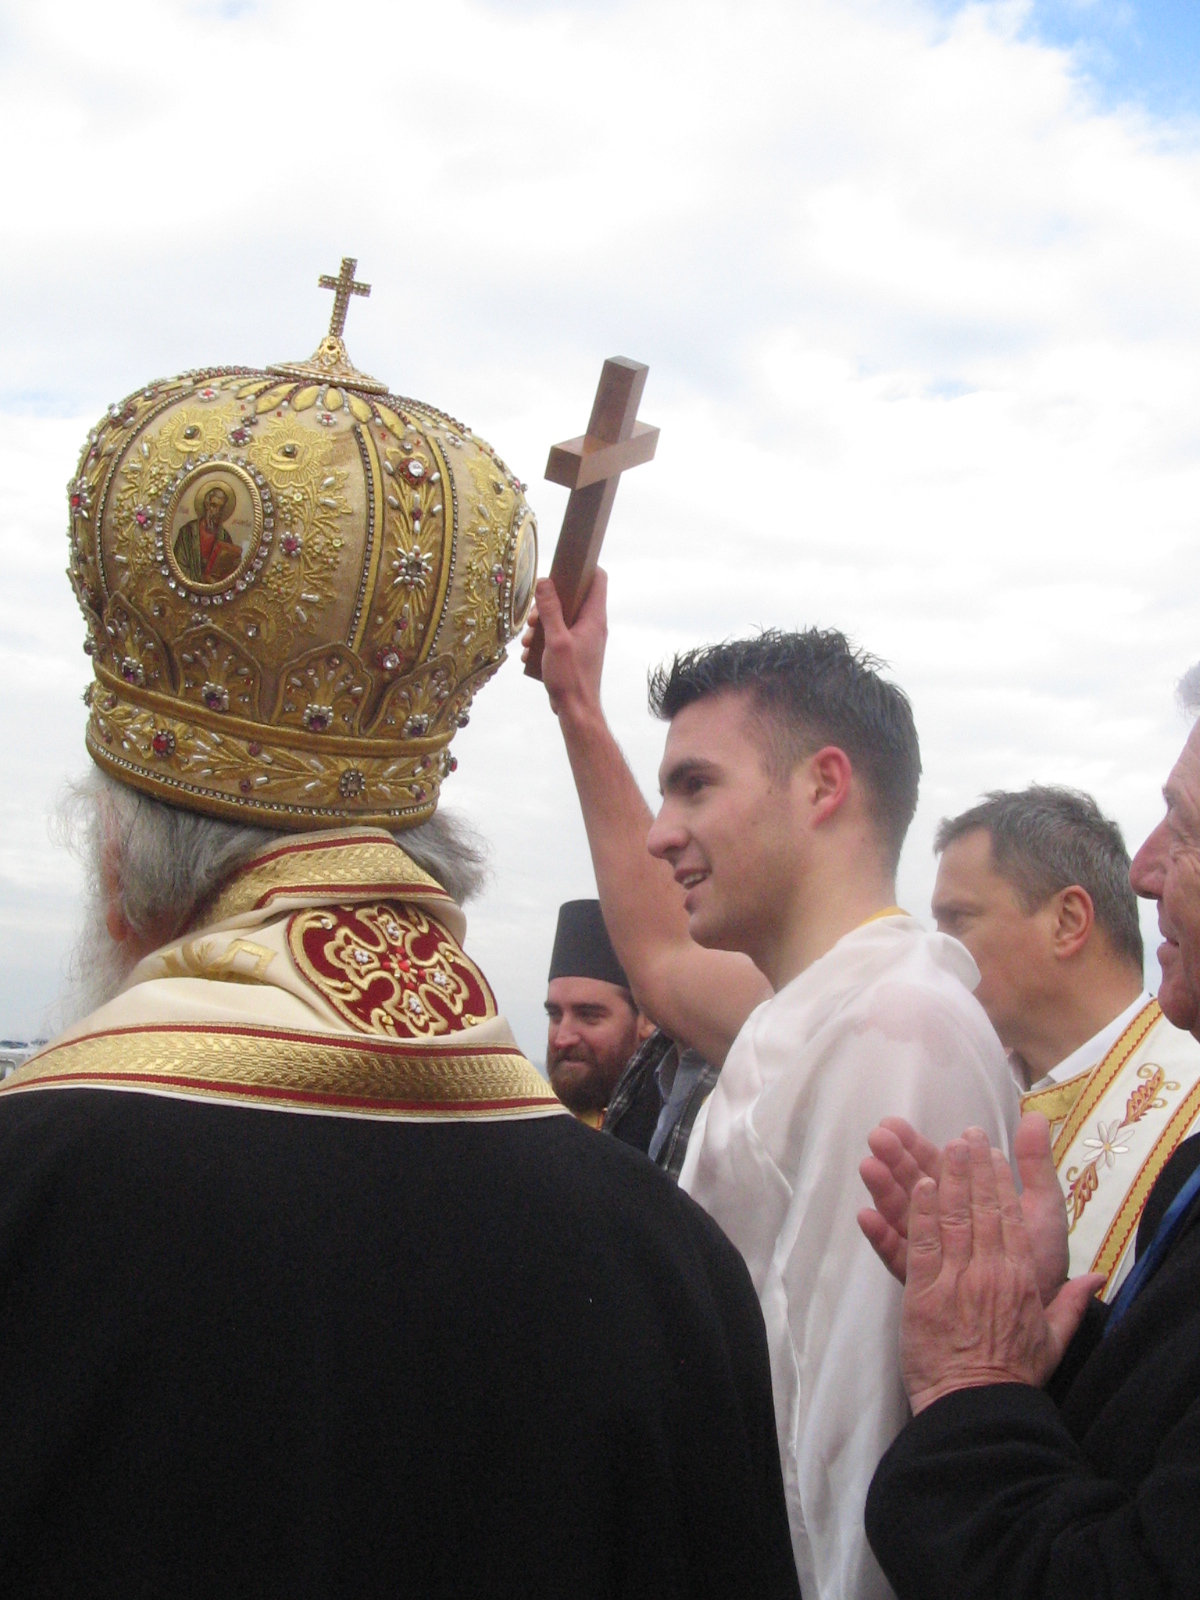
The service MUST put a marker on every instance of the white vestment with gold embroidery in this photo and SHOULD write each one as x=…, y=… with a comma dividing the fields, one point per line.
x=328, y=976
x=1114, y=1126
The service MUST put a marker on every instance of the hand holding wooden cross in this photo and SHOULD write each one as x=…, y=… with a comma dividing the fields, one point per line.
x=591, y=467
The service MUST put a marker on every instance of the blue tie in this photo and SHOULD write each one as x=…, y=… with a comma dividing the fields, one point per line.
x=1147, y=1263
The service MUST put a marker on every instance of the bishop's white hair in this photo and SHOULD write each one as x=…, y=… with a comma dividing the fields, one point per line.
x=164, y=865
x=1187, y=691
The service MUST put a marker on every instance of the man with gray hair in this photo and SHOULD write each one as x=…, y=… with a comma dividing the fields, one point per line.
x=1036, y=884
x=1037, y=1465
x=308, y=1283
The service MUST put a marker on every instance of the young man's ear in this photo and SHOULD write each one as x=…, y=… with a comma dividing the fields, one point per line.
x=828, y=775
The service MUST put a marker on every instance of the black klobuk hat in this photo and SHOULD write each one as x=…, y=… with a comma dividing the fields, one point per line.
x=582, y=948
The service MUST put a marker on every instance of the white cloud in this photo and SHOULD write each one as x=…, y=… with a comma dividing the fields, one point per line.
x=923, y=327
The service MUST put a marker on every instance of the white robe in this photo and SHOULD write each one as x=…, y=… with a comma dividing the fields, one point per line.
x=884, y=1024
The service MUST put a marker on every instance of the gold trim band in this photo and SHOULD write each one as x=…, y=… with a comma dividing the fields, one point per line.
x=292, y=1069
x=1108, y=1257
x=335, y=864
x=1104, y=1076
x=1055, y=1101
x=228, y=725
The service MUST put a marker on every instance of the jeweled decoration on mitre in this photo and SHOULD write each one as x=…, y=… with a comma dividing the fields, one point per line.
x=294, y=582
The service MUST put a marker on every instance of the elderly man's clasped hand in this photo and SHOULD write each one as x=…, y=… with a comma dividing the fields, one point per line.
x=985, y=1300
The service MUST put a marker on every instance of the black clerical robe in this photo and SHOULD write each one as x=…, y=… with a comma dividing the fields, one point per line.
x=310, y=1287
x=1088, y=1490
x=259, y=1352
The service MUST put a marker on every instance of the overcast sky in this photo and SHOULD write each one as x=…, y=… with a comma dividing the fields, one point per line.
x=918, y=285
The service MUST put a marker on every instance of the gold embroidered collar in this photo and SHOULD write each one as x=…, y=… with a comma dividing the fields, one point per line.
x=464, y=1073
x=343, y=865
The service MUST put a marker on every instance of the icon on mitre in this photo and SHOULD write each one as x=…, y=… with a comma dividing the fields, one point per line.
x=205, y=548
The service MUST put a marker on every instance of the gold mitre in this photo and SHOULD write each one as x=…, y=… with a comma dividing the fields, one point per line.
x=294, y=583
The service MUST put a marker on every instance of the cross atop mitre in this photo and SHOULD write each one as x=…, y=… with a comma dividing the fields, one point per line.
x=329, y=363
x=591, y=467
x=343, y=287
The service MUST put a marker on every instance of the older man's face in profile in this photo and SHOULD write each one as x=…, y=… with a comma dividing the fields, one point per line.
x=1167, y=869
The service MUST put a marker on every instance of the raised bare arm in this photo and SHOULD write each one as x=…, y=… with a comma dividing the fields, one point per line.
x=701, y=997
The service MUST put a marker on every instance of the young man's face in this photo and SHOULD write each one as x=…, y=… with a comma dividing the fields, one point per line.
x=593, y=1032
x=1012, y=946
x=1167, y=869
x=728, y=827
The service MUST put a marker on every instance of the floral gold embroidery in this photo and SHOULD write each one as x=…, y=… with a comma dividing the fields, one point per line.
x=1081, y=1186
x=1082, y=1183
x=1146, y=1096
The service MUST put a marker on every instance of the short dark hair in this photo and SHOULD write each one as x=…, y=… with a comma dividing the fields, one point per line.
x=811, y=689
x=1045, y=838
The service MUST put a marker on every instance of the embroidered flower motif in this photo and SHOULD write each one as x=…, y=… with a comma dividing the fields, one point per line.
x=412, y=568
x=1106, y=1143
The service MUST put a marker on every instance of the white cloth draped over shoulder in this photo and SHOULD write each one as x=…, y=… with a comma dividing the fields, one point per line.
x=884, y=1024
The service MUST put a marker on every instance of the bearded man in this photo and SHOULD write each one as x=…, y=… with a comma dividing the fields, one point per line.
x=594, y=1024
x=203, y=548
x=308, y=1284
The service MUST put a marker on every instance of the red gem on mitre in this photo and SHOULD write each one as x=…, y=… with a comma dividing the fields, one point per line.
x=163, y=743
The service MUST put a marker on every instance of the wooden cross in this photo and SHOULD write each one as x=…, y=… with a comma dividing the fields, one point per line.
x=343, y=287
x=591, y=467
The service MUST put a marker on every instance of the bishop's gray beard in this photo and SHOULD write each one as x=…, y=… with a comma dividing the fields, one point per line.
x=97, y=971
